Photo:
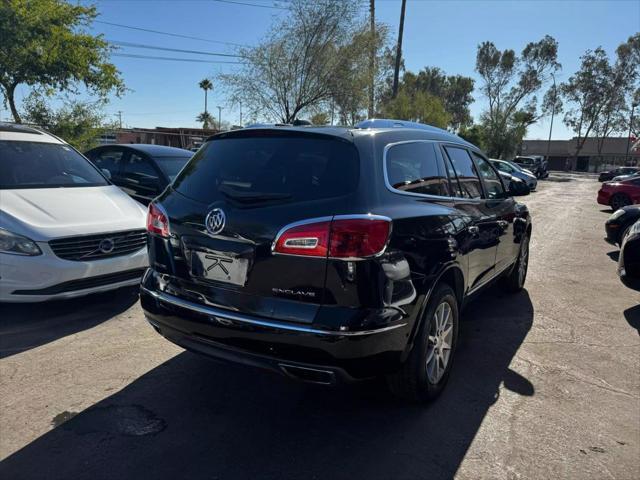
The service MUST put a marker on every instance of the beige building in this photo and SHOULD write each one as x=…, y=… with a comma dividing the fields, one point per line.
x=596, y=155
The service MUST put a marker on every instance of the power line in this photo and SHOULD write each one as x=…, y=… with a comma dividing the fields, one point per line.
x=233, y=2
x=170, y=34
x=175, y=59
x=167, y=49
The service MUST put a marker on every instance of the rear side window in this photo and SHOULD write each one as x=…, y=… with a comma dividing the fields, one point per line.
x=254, y=169
x=468, y=178
x=416, y=168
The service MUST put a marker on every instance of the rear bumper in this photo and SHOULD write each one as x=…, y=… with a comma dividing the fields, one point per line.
x=297, y=350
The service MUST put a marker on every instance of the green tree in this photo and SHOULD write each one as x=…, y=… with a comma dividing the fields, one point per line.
x=599, y=91
x=454, y=90
x=293, y=70
x=509, y=83
x=79, y=123
x=474, y=134
x=419, y=107
x=320, y=118
x=43, y=43
x=206, y=119
x=352, y=81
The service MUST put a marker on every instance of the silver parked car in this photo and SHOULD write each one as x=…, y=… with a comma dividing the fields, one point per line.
x=65, y=231
x=516, y=171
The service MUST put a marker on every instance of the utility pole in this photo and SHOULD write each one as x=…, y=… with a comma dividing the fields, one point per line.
x=219, y=118
x=120, y=118
x=396, y=73
x=372, y=59
x=240, y=112
x=633, y=108
x=553, y=112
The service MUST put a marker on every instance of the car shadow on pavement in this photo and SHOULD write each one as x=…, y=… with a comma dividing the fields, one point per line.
x=195, y=418
x=24, y=326
x=632, y=315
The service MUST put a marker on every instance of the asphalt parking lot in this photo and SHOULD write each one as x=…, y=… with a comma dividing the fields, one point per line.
x=546, y=385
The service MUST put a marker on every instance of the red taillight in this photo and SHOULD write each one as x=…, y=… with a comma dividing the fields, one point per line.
x=340, y=238
x=358, y=237
x=157, y=221
x=311, y=239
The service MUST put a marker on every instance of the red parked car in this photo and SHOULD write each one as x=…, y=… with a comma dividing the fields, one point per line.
x=620, y=194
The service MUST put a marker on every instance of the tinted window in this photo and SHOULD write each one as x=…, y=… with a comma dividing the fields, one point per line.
x=503, y=167
x=171, y=166
x=280, y=166
x=492, y=181
x=107, y=159
x=45, y=165
x=468, y=179
x=139, y=168
x=416, y=168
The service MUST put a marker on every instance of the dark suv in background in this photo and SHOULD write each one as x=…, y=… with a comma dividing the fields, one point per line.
x=143, y=171
x=332, y=254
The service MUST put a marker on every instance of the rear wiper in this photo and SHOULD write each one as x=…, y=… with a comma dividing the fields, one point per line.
x=252, y=196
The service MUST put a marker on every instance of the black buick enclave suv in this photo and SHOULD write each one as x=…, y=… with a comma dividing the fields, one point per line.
x=332, y=254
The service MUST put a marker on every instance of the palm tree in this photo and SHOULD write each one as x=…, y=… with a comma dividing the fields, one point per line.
x=206, y=85
x=206, y=119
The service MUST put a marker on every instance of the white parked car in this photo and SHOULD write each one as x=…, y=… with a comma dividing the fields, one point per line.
x=65, y=231
x=622, y=178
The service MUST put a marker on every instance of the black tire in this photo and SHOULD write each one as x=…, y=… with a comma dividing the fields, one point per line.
x=415, y=380
x=619, y=200
x=515, y=279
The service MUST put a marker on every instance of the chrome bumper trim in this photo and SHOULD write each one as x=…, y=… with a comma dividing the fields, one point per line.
x=228, y=316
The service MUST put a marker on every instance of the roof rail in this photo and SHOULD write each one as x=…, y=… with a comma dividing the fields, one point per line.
x=391, y=123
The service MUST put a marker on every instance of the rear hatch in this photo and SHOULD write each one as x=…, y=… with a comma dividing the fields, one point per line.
x=227, y=206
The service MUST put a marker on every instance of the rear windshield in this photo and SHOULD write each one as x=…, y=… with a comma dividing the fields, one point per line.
x=45, y=165
x=171, y=166
x=255, y=169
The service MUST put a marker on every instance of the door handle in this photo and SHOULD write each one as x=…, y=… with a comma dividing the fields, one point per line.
x=474, y=230
x=503, y=224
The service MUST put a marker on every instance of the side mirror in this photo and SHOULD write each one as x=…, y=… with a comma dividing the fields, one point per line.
x=518, y=189
x=106, y=173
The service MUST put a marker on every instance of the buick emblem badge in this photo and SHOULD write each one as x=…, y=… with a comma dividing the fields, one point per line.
x=215, y=221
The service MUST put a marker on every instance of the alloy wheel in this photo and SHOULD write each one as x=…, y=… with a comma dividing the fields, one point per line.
x=439, y=343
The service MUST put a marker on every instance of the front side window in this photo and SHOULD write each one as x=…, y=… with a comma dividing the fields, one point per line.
x=415, y=167
x=504, y=167
x=108, y=160
x=139, y=169
x=45, y=165
x=491, y=179
x=468, y=179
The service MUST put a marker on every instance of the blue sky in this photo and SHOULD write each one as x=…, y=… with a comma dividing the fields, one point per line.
x=437, y=33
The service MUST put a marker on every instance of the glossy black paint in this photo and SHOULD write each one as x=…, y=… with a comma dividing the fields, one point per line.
x=430, y=242
x=629, y=259
x=616, y=227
